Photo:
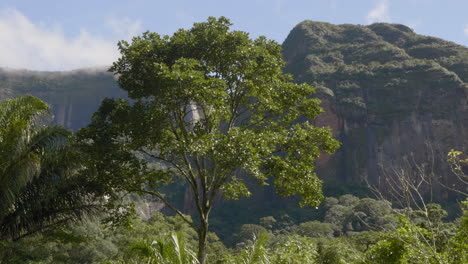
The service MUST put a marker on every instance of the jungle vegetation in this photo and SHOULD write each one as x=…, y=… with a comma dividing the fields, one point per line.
x=209, y=109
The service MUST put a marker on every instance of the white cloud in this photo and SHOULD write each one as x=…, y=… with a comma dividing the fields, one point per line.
x=380, y=13
x=26, y=45
x=466, y=29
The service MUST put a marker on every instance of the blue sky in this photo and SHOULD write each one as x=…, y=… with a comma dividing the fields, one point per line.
x=64, y=35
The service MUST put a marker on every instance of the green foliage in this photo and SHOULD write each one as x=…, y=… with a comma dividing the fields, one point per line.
x=387, y=251
x=268, y=222
x=458, y=163
x=20, y=147
x=364, y=239
x=256, y=253
x=314, y=229
x=169, y=239
x=209, y=105
x=350, y=213
x=337, y=251
x=41, y=187
x=295, y=250
x=90, y=241
x=248, y=233
x=408, y=244
x=458, y=251
x=162, y=252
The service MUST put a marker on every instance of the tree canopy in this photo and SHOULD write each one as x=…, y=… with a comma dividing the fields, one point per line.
x=213, y=108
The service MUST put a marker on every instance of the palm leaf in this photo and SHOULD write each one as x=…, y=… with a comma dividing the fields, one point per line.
x=256, y=253
x=40, y=186
x=19, y=162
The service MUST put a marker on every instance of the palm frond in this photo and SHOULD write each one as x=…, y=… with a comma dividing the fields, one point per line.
x=256, y=253
x=40, y=186
x=18, y=163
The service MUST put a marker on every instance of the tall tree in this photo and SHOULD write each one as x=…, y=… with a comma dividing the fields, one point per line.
x=211, y=107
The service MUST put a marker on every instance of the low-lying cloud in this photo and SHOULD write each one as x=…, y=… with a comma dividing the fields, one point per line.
x=380, y=13
x=26, y=45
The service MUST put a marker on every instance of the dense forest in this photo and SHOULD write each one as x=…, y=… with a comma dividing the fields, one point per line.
x=212, y=147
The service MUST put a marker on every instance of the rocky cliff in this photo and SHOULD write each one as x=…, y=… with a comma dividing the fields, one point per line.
x=395, y=99
x=74, y=96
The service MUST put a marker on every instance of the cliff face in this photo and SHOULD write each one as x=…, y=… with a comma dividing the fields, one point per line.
x=394, y=98
x=74, y=96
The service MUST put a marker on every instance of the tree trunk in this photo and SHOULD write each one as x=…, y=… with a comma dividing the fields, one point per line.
x=202, y=241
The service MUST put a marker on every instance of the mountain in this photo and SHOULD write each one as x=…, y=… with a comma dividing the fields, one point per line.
x=395, y=99
x=74, y=95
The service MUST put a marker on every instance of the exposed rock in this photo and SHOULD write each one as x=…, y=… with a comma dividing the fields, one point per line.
x=74, y=96
x=390, y=95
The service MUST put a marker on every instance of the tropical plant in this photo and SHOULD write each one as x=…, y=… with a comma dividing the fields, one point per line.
x=458, y=251
x=162, y=252
x=408, y=244
x=255, y=253
x=41, y=187
x=21, y=144
x=296, y=250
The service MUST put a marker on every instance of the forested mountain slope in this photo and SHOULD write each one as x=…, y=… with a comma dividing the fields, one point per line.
x=73, y=95
x=395, y=99
x=389, y=94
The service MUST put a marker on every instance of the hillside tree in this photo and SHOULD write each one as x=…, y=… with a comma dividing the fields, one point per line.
x=211, y=107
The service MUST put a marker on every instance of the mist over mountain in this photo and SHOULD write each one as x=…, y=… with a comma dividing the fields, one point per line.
x=73, y=95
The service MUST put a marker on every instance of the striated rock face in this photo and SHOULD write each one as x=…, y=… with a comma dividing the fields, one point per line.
x=74, y=96
x=394, y=98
